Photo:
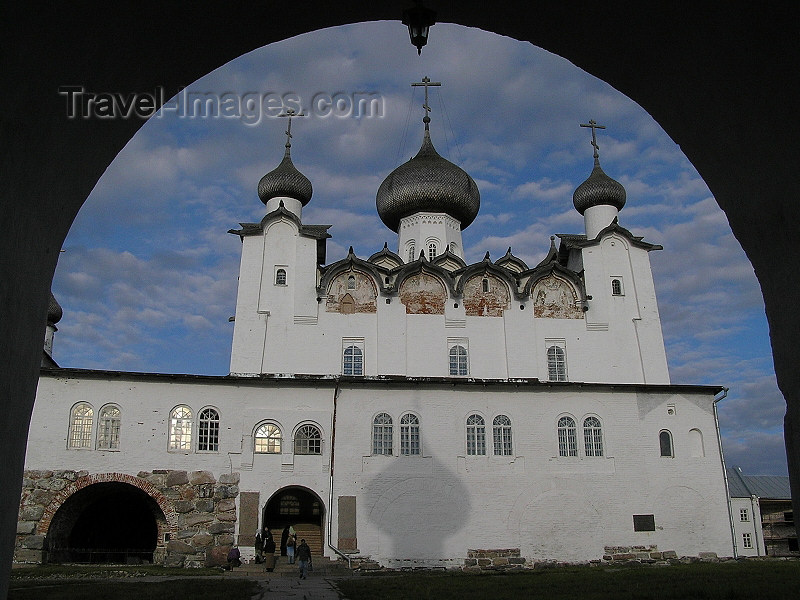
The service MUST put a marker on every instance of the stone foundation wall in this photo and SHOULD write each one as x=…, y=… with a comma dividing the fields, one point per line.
x=196, y=527
x=502, y=559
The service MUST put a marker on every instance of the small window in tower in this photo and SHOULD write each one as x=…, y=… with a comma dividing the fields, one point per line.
x=665, y=443
x=616, y=287
x=411, y=248
x=351, y=282
x=432, y=250
x=485, y=284
x=280, y=277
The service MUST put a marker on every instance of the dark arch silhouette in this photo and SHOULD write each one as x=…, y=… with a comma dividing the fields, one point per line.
x=717, y=81
x=108, y=522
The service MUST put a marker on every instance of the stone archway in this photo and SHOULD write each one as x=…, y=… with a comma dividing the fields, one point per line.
x=300, y=508
x=107, y=518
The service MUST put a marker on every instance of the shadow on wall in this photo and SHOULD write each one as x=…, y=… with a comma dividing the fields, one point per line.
x=417, y=503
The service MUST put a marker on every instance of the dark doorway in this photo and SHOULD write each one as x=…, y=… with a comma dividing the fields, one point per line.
x=106, y=522
x=299, y=508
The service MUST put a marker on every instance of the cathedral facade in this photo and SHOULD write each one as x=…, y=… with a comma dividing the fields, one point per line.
x=407, y=407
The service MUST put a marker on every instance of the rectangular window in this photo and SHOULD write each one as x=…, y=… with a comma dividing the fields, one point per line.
x=788, y=517
x=744, y=514
x=644, y=522
x=747, y=541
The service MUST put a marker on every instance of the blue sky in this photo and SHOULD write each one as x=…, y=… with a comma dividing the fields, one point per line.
x=148, y=276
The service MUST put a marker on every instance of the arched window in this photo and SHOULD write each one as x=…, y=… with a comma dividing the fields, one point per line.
x=592, y=436
x=280, y=277
x=409, y=435
x=616, y=287
x=267, y=439
x=432, y=250
x=459, y=364
x=351, y=282
x=382, y=434
x=411, y=249
x=696, y=443
x=180, y=428
x=108, y=426
x=556, y=364
x=476, y=436
x=485, y=284
x=567, y=437
x=501, y=429
x=308, y=440
x=81, y=420
x=353, y=361
x=208, y=431
x=665, y=443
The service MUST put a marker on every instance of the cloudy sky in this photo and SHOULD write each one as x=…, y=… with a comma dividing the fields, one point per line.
x=148, y=276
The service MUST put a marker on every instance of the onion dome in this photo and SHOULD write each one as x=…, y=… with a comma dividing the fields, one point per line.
x=54, y=310
x=286, y=181
x=428, y=183
x=597, y=190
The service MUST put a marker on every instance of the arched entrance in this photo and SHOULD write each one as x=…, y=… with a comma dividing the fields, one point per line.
x=107, y=522
x=300, y=508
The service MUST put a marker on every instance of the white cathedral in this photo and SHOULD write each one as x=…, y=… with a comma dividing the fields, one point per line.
x=407, y=407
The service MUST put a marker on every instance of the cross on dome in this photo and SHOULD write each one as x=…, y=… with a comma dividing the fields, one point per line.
x=426, y=81
x=593, y=124
x=289, y=113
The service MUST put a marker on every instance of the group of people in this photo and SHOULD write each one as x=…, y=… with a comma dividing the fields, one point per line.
x=265, y=550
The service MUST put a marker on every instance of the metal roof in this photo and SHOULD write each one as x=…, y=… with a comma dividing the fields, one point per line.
x=773, y=487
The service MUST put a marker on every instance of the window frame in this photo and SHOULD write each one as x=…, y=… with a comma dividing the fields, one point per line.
x=593, y=437
x=617, y=288
x=410, y=440
x=433, y=250
x=666, y=451
x=80, y=429
x=180, y=428
x=281, y=274
x=356, y=358
x=213, y=430
x=556, y=357
x=411, y=249
x=307, y=445
x=475, y=435
x=273, y=444
x=744, y=515
x=103, y=423
x=747, y=541
x=502, y=436
x=567, y=436
x=459, y=368
x=382, y=435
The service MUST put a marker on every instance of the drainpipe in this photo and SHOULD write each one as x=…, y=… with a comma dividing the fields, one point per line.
x=756, y=524
x=724, y=471
x=330, y=482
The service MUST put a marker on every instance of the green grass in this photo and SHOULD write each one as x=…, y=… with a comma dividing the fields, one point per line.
x=194, y=589
x=706, y=581
x=105, y=571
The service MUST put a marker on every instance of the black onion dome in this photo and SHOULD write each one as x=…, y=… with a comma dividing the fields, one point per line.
x=597, y=190
x=430, y=183
x=285, y=180
x=54, y=310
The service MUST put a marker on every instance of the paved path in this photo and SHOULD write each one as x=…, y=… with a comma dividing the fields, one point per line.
x=314, y=587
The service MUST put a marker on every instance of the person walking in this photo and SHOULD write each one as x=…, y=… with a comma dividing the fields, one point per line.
x=269, y=550
x=303, y=557
x=291, y=542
